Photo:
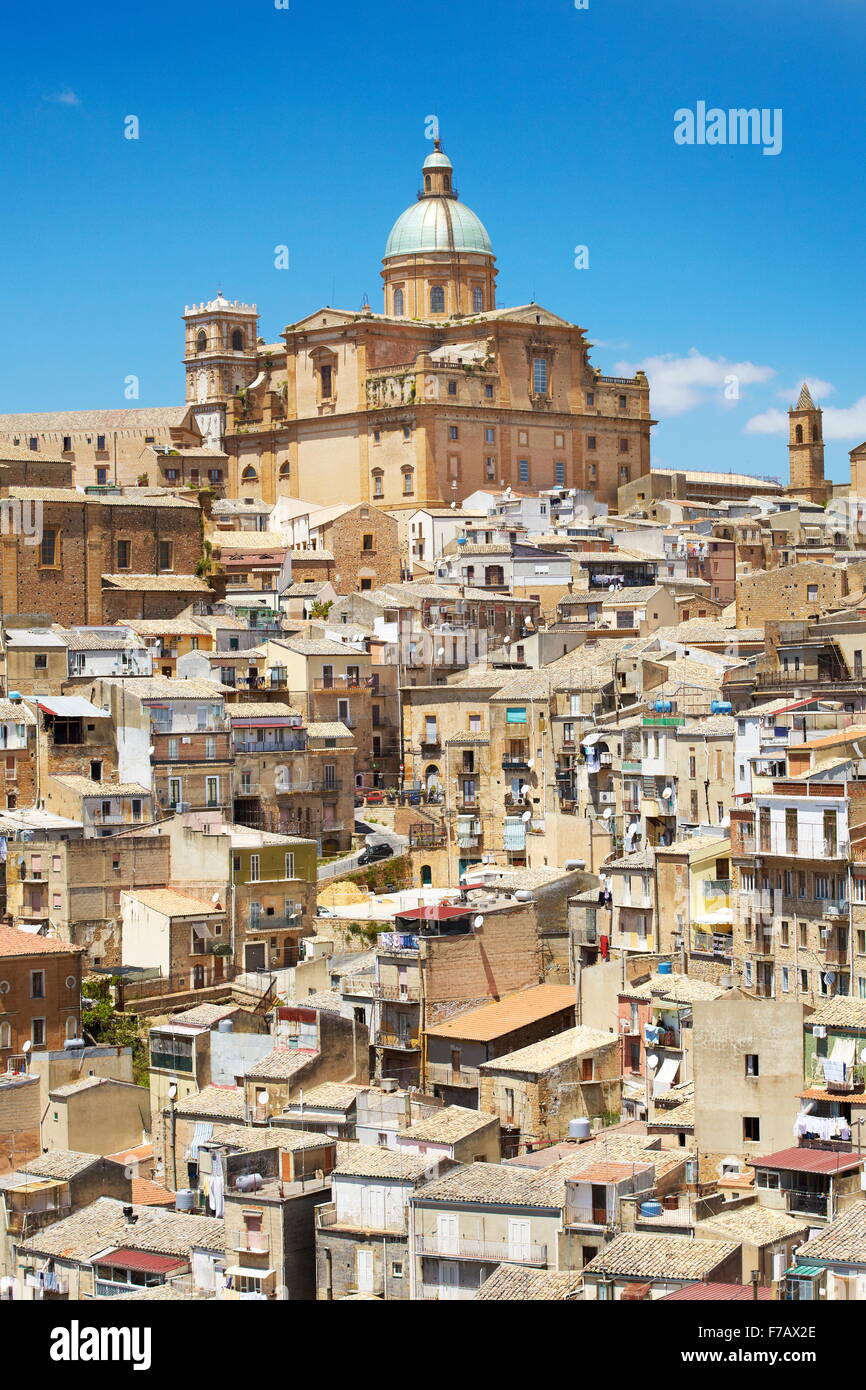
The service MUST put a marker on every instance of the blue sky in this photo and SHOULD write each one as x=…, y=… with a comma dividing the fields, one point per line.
x=305, y=127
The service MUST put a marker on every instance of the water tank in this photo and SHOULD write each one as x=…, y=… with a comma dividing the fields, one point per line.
x=225, y=1025
x=249, y=1182
x=663, y=706
x=664, y=967
x=185, y=1199
x=523, y=895
x=650, y=1208
x=721, y=707
x=579, y=1128
x=15, y=696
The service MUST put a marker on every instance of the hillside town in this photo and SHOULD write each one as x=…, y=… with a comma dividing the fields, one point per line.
x=432, y=837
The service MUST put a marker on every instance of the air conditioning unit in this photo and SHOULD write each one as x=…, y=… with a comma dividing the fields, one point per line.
x=186, y=739
x=180, y=806
x=837, y=909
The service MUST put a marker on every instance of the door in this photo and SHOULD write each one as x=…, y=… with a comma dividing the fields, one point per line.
x=373, y=1204
x=446, y=1229
x=254, y=956
x=364, y=1269
x=449, y=1274
x=519, y=1243
x=599, y=1204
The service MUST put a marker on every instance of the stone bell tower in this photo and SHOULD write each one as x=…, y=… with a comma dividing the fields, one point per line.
x=220, y=359
x=806, y=450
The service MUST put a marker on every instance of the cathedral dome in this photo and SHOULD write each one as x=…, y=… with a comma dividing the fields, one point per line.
x=438, y=224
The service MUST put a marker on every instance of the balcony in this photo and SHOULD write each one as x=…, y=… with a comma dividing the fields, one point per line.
x=462, y=1248
x=443, y=1074
x=443, y=1292
x=515, y=762
x=249, y=745
x=804, y=845
x=398, y=1042
x=807, y=1203
x=762, y=947
x=344, y=683
x=409, y=994
x=251, y=1242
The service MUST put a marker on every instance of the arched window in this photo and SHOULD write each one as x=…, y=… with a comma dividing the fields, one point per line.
x=408, y=482
x=816, y=434
x=398, y=304
x=72, y=1026
x=437, y=300
x=201, y=341
x=5, y=1035
x=427, y=182
x=237, y=341
x=798, y=434
x=249, y=475
x=378, y=483
x=285, y=470
x=477, y=300
x=426, y=876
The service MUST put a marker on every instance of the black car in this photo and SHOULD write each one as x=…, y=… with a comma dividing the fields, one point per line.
x=374, y=852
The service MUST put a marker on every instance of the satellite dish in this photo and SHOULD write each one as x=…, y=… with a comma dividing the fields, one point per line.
x=527, y=622
x=525, y=789
x=506, y=641
x=26, y=1046
x=440, y=651
x=453, y=505
x=607, y=813
x=216, y=899
x=667, y=792
x=527, y=815
x=830, y=977
x=531, y=762
x=652, y=1061
x=863, y=1055
x=478, y=921
x=151, y=750
x=263, y=1097
x=172, y=1091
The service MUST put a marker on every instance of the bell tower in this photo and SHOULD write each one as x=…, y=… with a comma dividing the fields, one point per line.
x=220, y=358
x=806, y=450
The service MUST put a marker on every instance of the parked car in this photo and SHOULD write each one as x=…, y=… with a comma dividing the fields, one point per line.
x=376, y=797
x=374, y=852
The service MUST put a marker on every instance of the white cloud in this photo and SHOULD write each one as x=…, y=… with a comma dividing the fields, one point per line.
x=818, y=388
x=65, y=97
x=679, y=384
x=771, y=422
x=847, y=422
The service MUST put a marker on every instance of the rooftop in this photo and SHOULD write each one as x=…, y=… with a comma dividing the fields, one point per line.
x=553, y=1052
x=519, y=1284
x=507, y=1015
x=448, y=1125
x=668, y=1258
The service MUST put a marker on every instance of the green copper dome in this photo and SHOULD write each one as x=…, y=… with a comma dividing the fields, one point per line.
x=438, y=224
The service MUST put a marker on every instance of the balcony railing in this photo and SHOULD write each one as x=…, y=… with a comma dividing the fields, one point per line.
x=251, y=1242
x=443, y=1074
x=462, y=1248
x=400, y=1042
x=342, y=683
x=807, y=1203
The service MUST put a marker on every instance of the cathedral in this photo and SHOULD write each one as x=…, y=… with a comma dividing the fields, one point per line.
x=441, y=394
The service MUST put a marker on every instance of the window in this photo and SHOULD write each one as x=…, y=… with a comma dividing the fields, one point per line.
x=488, y=393
x=559, y=473
x=590, y=441
x=751, y=1129
x=489, y=436
x=408, y=482
x=590, y=398
x=326, y=376
x=100, y=443
x=812, y=593
x=437, y=300
x=290, y=866
x=37, y=984
x=786, y=979
x=255, y=864
x=5, y=1035
x=212, y=791
x=623, y=446
x=477, y=300
x=539, y=376
x=67, y=444
x=407, y=433
x=123, y=555
x=398, y=304
x=201, y=341
x=378, y=484
x=752, y=1064
x=49, y=548
x=37, y=1032
x=237, y=341
x=452, y=391
x=164, y=555
x=623, y=402
x=523, y=470
x=490, y=475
